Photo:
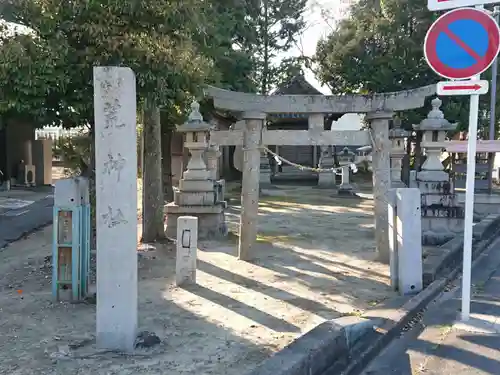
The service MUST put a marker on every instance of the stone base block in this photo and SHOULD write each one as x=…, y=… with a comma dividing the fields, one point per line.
x=430, y=238
x=196, y=185
x=447, y=200
x=438, y=230
x=435, y=187
x=397, y=184
x=443, y=225
x=443, y=212
x=211, y=220
x=346, y=189
x=433, y=176
x=182, y=198
x=326, y=180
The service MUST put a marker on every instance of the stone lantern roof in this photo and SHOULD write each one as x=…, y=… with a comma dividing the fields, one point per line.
x=195, y=122
x=435, y=119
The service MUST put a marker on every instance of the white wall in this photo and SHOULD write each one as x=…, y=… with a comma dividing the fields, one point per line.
x=349, y=121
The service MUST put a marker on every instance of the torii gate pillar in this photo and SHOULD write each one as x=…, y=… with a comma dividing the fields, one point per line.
x=250, y=183
x=379, y=124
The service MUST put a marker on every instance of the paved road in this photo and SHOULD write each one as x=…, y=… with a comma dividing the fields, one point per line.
x=23, y=214
x=441, y=344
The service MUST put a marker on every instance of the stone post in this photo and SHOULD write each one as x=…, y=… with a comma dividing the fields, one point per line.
x=187, y=247
x=409, y=240
x=392, y=217
x=116, y=207
x=398, y=151
x=213, y=153
x=250, y=183
x=379, y=124
x=265, y=170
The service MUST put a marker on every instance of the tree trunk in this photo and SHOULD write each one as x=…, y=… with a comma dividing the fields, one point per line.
x=166, y=157
x=152, y=186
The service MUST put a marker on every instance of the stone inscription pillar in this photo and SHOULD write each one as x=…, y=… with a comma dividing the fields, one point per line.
x=250, y=183
x=379, y=123
x=116, y=207
x=187, y=247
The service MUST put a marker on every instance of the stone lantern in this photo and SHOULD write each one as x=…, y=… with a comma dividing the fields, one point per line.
x=397, y=136
x=346, y=158
x=197, y=193
x=196, y=132
x=326, y=178
x=434, y=129
x=442, y=217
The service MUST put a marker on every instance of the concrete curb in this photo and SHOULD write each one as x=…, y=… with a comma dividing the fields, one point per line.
x=323, y=349
x=395, y=320
x=347, y=344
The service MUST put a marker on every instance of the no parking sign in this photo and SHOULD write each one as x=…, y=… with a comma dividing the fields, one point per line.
x=462, y=43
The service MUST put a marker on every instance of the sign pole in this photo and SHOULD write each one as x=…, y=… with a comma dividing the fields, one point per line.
x=469, y=202
x=493, y=101
x=460, y=45
x=469, y=205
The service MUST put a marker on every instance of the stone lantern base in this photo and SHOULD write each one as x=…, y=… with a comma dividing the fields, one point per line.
x=211, y=219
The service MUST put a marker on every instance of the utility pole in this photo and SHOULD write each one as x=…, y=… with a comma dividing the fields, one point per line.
x=493, y=101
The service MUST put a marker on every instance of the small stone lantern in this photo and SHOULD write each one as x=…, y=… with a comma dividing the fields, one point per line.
x=326, y=178
x=397, y=136
x=346, y=158
x=196, y=132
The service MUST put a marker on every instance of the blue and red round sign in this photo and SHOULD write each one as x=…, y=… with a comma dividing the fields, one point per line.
x=462, y=43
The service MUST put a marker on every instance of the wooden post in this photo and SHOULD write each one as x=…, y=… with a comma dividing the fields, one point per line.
x=379, y=123
x=250, y=183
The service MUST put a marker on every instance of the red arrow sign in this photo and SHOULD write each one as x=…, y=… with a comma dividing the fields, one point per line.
x=462, y=87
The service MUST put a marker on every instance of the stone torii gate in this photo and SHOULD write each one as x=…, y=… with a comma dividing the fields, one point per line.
x=254, y=109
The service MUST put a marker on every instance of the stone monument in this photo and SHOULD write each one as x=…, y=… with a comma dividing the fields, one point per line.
x=199, y=192
x=116, y=207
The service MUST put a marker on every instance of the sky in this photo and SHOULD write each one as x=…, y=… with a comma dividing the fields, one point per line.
x=321, y=16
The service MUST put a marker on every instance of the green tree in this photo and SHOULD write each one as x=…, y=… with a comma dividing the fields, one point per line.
x=165, y=43
x=379, y=48
x=274, y=28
